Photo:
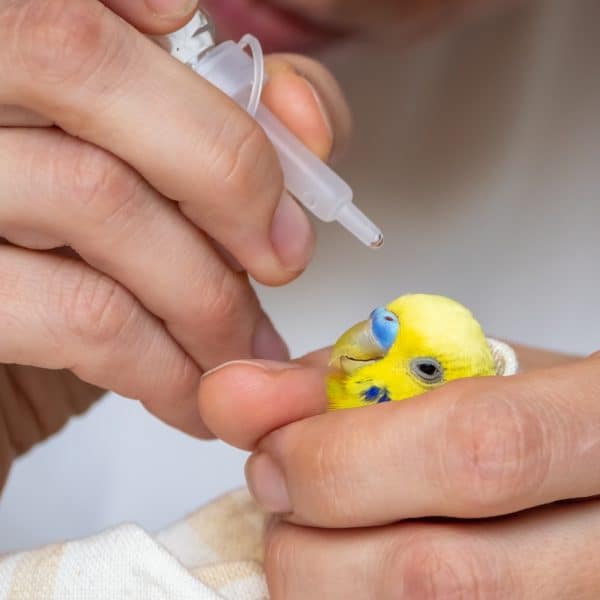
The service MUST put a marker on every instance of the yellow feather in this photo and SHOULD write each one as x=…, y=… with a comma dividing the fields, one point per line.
x=430, y=327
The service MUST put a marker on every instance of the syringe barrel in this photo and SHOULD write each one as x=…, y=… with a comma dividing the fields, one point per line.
x=307, y=178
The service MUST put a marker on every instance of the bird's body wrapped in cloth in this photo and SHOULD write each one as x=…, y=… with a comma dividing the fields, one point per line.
x=414, y=344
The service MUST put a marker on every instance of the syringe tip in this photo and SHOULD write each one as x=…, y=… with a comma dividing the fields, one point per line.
x=378, y=242
x=357, y=223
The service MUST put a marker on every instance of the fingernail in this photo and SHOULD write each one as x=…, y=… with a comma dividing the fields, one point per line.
x=291, y=234
x=267, y=343
x=265, y=365
x=267, y=484
x=171, y=9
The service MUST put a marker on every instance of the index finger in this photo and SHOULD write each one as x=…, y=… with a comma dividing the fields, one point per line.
x=79, y=65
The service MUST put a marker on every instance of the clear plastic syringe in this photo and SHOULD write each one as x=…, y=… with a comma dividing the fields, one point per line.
x=241, y=76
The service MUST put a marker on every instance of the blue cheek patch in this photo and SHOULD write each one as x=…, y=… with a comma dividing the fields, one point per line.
x=376, y=394
x=384, y=397
x=371, y=394
x=385, y=326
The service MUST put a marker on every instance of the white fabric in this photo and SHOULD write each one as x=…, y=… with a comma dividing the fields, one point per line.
x=213, y=554
x=504, y=357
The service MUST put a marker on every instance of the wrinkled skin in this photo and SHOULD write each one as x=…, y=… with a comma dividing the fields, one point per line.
x=93, y=217
x=353, y=493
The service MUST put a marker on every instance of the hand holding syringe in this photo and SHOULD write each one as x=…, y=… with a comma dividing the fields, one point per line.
x=229, y=68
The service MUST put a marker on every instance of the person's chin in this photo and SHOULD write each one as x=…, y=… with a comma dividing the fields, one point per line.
x=278, y=30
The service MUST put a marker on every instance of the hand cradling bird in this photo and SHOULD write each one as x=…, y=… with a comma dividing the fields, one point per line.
x=416, y=343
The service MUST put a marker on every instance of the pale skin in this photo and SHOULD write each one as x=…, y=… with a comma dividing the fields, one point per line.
x=135, y=202
x=353, y=493
x=142, y=278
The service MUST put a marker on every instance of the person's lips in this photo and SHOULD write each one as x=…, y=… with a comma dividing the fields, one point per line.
x=277, y=29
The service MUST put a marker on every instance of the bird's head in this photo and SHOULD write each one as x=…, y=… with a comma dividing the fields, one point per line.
x=413, y=344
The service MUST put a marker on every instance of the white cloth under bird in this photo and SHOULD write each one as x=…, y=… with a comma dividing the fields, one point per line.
x=213, y=554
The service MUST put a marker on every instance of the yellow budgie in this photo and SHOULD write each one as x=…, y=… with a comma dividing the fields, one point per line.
x=414, y=344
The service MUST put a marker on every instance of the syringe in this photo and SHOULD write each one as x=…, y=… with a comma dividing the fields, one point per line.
x=231, y=69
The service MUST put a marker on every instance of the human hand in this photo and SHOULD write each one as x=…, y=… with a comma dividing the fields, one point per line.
x=111, y=148
x=367, y=482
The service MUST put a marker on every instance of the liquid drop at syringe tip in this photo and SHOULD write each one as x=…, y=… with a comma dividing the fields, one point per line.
x=358, y=224
x=378, y=242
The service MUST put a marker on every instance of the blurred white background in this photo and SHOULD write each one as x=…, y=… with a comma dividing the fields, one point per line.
x=478, y=152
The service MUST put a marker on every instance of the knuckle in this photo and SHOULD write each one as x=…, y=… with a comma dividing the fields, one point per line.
x=222, y=303
x=103, y=187
x=62, y=40
x=92, y=306
x=493, y=448
x=244, y=161
x=440, y=568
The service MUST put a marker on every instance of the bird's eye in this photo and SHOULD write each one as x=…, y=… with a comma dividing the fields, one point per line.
x=427, y=370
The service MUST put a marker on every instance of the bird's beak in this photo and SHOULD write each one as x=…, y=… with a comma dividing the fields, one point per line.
x=356, y=348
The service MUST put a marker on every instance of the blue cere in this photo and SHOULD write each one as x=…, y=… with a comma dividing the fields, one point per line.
x=385, y=326
x=376, y=394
